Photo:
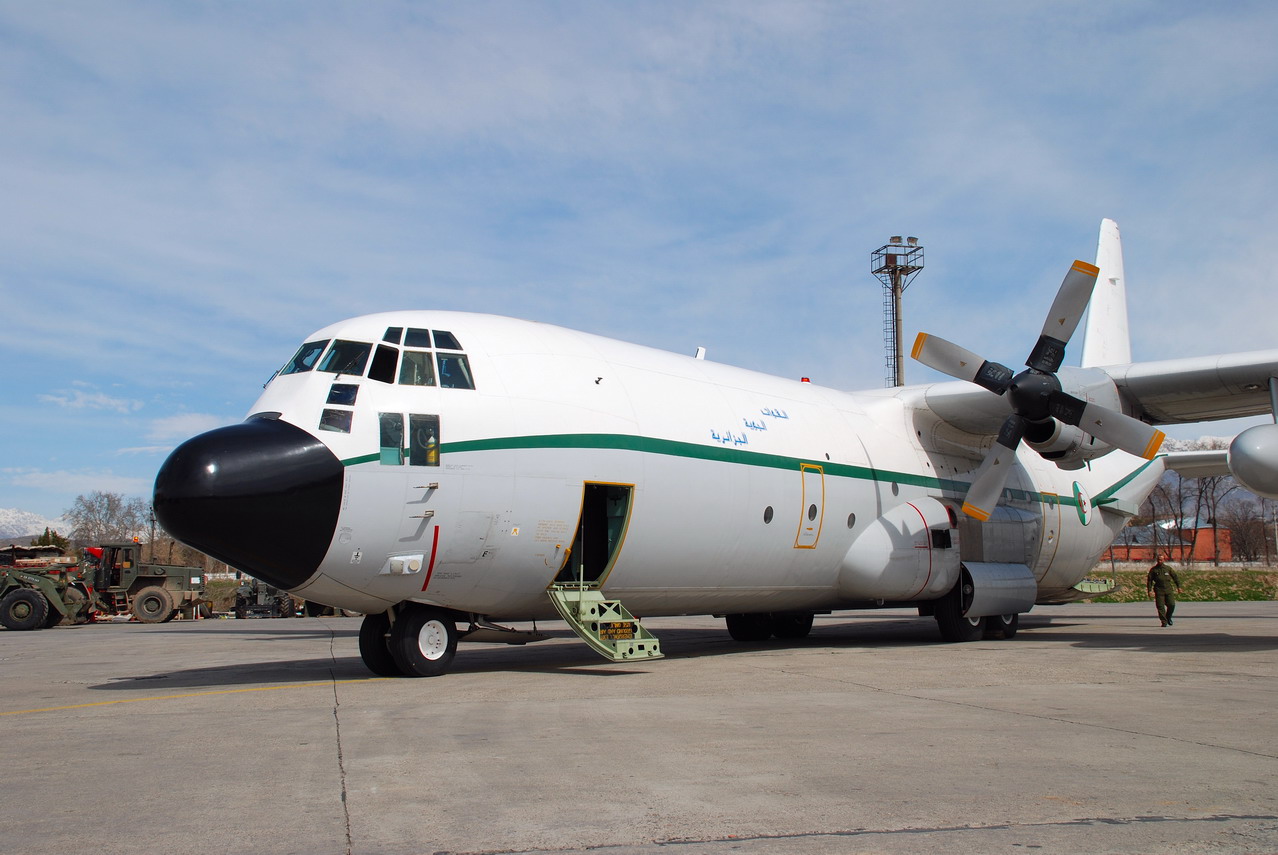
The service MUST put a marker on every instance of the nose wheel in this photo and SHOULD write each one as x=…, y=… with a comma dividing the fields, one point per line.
x=374, y=645
x=420, y=642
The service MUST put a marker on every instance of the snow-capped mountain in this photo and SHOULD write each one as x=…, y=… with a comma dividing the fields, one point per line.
x=20, y=526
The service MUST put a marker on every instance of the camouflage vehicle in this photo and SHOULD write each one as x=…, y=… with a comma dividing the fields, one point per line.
x=41, y=597
x=254, y=598
x=152, y=593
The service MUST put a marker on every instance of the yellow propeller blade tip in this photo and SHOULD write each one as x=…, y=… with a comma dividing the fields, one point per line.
x=975, y=512
x=1155, y=442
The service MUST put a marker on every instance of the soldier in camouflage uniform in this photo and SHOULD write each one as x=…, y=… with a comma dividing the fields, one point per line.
x=1163, y=585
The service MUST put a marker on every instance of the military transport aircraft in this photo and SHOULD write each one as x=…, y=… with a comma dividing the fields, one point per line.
x=449, y=473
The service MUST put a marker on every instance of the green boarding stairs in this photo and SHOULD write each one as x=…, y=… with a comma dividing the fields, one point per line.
x=604, y=624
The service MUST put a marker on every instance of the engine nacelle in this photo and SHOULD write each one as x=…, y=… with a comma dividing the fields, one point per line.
x=1253, y=460
x=1065, y=445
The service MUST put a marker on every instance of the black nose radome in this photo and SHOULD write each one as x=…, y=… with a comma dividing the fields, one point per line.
x=263, y=496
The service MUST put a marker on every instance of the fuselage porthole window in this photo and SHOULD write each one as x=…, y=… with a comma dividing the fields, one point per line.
x=454, y=371
x=383, y=368
x=346, y=357
x=414, y=337
x=304, y=359
x=444, y=340
x=417, y=369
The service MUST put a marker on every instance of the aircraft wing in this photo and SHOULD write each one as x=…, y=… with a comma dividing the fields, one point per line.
x=1199, y=464
x=1171, y=391
x=1197, y=389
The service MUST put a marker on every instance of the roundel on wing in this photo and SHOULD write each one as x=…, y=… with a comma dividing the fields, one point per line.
x=1083, y=502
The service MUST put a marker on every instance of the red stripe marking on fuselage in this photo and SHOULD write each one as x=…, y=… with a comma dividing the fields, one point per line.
x=927, y=544
x=430, y=568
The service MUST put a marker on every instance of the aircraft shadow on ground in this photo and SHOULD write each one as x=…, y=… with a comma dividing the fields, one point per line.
x=280, y=672
x=563, y=656
x=262, y=631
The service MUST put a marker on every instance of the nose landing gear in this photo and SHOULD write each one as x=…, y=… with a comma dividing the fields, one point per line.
x=420, y=642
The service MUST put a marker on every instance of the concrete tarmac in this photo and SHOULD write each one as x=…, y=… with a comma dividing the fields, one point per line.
x=1093, y=731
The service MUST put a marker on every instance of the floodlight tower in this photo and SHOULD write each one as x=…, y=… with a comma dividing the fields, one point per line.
x=895, y=264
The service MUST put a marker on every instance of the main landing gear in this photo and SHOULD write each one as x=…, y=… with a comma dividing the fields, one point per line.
x=419, y=642
x=955, y=626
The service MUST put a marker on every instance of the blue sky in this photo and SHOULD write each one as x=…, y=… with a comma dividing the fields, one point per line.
x=191, y=188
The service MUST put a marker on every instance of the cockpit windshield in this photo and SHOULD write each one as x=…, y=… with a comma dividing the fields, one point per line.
x=304, y=359
x=347, y=357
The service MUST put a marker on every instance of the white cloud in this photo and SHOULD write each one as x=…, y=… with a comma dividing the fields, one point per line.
x=182, y=426
x=78, y=482
x=81, y=399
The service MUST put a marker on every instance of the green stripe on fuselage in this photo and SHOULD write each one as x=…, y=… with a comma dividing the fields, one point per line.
x=719, y=454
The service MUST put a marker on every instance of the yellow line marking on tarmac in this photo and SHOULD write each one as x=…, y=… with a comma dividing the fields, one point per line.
x=192, y=695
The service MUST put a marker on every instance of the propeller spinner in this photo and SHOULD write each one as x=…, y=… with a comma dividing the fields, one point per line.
x=1035, y=394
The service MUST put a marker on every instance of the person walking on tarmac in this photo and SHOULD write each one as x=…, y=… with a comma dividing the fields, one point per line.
x=1163, y=585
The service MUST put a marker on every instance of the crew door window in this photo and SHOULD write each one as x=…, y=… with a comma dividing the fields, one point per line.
x=423, y=436
x=391, y=426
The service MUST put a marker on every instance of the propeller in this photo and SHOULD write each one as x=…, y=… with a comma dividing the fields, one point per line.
x=1035, y=394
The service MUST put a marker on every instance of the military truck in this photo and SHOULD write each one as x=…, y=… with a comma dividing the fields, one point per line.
x=152, y=593
x=41, y=597
x=256, y=599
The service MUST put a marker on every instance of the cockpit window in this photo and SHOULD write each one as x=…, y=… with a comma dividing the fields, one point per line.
x=383, y=367
x=454, y=371
x=393, y=334
x=336, y=420
x=417, y=338
x=445, y=340
x=343, y=394
x=304, y=359
x=346, y=357
x=416, y=369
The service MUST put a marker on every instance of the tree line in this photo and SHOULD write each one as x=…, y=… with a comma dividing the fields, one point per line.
x=102, y=517
x=1216, y=500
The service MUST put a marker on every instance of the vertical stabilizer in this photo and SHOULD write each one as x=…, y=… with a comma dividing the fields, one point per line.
x=1105, y=338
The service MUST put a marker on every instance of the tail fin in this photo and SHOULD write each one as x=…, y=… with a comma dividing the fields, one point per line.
x=1106, y=340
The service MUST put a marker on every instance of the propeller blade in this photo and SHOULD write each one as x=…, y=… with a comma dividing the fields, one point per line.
x=1109, y=426
x=1119, y=430
x=1062, y=319
x=991, y=475
x=961, y=363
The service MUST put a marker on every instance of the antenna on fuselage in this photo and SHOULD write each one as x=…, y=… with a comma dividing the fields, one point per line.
x=895, y=264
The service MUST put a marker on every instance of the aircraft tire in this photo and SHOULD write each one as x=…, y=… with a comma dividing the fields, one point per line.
x=792, y=624
x=1002, y=626
x=423, y=641
x=751, y=627
x=954, y=625
x=374, y=647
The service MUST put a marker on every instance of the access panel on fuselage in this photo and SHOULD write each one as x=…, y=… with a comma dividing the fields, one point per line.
x=812, y=508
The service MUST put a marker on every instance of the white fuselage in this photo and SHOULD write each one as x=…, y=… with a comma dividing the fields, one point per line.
x=746, y=492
